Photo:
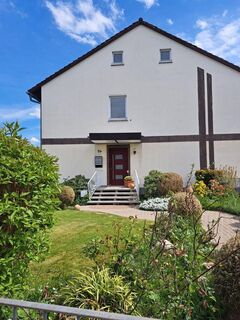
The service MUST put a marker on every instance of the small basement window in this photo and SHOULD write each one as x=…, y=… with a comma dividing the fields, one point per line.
x=117, y=58
x=118, y=108
x=165, y=55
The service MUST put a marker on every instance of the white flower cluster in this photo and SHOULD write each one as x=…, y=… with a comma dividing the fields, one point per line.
x=156, y=204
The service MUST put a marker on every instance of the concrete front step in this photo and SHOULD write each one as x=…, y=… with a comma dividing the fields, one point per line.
x=115, y=191
x=115, y=198
x=112, y=202
x=114, y=195
x=114, y=188
x=106, y=194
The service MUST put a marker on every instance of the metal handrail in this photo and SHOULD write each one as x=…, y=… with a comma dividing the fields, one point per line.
x=92, y=185
x=45, y=309
x=136, y=181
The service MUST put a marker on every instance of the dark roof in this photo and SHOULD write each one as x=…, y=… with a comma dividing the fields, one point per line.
x=35, y=92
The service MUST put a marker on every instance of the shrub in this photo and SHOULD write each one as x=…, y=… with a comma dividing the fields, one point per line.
x=155, y=204
x=227, y=277
x=200, y=188
x=228, y=178
x=185, y=204
x=67, y=196
x=216, y=188
x=151, y=184
x=98, y=290
x=206, y=175
x=170, y=182
x=29, y=193
x=163, y=277
x=78, y=183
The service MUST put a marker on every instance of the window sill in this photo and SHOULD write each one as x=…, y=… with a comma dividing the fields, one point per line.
x=117, y=119
x=117, y=64
x=163, y=62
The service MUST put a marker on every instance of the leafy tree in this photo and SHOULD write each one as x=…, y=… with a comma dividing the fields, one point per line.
x=29, y=192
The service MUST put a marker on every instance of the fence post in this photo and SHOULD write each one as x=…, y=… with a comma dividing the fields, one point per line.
x=45, y=315
x=15, y=313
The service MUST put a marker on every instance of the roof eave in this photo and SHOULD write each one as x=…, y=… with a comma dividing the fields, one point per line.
x=35, y=96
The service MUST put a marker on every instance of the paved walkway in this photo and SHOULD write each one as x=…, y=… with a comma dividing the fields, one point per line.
x=228, y=226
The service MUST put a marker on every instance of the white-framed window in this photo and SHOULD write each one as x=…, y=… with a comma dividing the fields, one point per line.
x=118, y=108
x=165, y=55
x=117, y=58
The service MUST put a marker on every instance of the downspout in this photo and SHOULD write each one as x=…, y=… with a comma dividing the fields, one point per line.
x=34, y=100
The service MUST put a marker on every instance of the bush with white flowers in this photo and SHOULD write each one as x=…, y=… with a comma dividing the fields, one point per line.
x=155, y=204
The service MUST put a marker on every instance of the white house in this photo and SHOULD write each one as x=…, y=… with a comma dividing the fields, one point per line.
x=142, y=100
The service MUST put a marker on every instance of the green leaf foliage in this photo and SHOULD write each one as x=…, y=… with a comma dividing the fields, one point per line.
x=151, y=184
x=98, y=290
x=29, y=192
x=78, y=183
x=165, y=278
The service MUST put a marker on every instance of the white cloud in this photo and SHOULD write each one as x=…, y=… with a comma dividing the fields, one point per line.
x=201, y=24
x=221, y=36
x=35, y=113
x=148, y=3
x=83, y=21
x=170, y=22
x=12, y=113
x=34, y=140
x=225, y=12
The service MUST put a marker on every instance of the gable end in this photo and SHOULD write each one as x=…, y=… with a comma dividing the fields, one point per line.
x=35, y=92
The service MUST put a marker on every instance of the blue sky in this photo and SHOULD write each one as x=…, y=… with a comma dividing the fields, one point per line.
x=40, y=36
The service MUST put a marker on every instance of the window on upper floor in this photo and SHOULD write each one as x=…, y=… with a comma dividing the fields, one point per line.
x=118, y=108
x=165, y=55
x=117, y=58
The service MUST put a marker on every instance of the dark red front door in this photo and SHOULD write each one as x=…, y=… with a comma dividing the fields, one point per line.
x=118, y=166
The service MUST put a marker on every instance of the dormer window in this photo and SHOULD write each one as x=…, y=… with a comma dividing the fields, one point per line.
x=117, y=58
x=165, y=56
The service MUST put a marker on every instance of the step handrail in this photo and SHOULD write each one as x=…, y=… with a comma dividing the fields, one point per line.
x=92, y=185
x=136, y=182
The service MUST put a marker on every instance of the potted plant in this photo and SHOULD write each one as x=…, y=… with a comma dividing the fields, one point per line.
x=129, y=182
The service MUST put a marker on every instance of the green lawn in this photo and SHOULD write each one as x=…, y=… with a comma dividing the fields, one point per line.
x=229, y=203
x=73, y=229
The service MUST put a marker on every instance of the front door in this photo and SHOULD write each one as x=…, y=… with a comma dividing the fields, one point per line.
x=118, y=165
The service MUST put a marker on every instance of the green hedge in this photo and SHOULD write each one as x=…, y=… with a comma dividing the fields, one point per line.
x=29, y=192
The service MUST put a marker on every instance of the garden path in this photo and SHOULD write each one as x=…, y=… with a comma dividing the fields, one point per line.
x=228, y=226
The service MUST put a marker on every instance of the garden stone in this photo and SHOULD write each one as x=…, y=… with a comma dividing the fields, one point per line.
x=167, y=245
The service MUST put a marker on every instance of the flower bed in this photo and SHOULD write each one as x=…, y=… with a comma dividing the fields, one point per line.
x=155, y=204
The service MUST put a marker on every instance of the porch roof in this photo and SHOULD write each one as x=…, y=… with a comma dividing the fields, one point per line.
x=116, y=137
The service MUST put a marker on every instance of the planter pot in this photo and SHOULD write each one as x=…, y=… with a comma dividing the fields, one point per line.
x=126, y=183
x=129, y=184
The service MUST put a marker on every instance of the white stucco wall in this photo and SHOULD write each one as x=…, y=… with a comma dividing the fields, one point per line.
x=227, y=153
x=170, y=157
x=79, y=159
x=161, y=98
x=73, y=159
